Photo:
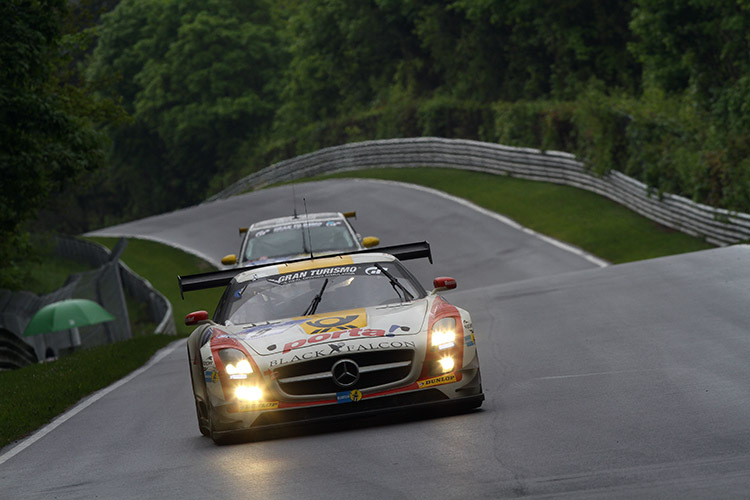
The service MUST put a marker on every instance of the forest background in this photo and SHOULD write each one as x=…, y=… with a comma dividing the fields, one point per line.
x=116, y=110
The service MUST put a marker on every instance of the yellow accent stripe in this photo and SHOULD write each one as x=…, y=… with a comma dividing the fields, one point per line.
x=315, y=264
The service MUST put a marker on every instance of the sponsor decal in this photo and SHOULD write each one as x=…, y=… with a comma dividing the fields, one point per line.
x=442, y=379
x=336, y=347
x=334, y=323
x=468, y=327
x=326, y=350
x=469, y=340
x=206, y=335
x=257, y=405
x=335, y=335
x=314, y=273
x=348, y=396
x=327, y=322
x=211, y=376
x=372, y=270
x=317, y=264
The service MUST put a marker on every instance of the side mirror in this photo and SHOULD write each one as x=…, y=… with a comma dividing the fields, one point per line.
x=243, y=230
x=443, y=283
x=370, y=241
x=196, y=317
x=229, y=260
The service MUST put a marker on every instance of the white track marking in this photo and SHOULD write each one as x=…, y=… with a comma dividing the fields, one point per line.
x=58, y=421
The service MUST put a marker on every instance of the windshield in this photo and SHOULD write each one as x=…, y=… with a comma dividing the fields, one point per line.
x=295, y=239
x=322, y=290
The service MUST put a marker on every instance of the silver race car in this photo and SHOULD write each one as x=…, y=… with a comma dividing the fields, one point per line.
x=327, y=337
x=297, y=236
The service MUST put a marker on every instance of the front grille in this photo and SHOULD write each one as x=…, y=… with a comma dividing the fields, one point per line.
x=314, y=377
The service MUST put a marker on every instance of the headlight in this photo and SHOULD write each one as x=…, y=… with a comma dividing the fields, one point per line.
x=248, y=393
x=444, y=333
x=236, y=363
x=447, y=364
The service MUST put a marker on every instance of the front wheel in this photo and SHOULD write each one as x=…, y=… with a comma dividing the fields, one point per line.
x=202, y=422
x=218, y=438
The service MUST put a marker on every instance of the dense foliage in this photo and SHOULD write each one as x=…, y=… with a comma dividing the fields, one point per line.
x=219, y=88
x=198, y=79
x=48, y=121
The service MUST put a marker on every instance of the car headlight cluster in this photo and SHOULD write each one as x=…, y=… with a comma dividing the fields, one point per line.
x=443, y=342
x=236, y=363
x=444, y=333
x=238, y=368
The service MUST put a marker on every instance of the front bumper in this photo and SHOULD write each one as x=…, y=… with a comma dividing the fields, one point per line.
x=469, y=395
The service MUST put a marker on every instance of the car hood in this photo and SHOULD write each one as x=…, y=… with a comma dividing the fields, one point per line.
x=281, y=337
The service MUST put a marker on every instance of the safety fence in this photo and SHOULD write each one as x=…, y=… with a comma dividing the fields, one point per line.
x=107, y=284
x=715, y=225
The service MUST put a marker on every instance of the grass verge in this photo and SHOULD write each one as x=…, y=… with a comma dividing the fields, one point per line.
x=35, y=394
x=584, y=219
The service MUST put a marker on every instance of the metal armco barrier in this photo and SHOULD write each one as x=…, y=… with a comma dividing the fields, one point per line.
x=716, y=225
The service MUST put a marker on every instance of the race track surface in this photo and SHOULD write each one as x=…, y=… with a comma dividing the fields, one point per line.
x=627, y=381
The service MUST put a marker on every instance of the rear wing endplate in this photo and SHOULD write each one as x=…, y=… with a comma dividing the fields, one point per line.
x=214, y=279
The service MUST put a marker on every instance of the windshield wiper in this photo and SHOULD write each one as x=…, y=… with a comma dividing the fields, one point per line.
x=396, y=284
x=315, y=301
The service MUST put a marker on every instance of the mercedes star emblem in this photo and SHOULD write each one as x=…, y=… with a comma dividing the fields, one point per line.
x=345, y=373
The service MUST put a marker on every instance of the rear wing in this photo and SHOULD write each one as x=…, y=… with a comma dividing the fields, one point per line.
x=214, y=279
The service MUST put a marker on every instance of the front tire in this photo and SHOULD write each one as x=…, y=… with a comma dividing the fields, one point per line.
x=218, y=438
x=202, y=423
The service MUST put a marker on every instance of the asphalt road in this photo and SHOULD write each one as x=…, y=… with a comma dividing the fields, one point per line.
x=628, y=381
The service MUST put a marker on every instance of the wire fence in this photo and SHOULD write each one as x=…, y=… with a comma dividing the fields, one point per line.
x=108, y=284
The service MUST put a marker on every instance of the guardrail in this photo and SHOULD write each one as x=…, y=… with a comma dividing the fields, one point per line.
x=14, y=352
x=716, y=225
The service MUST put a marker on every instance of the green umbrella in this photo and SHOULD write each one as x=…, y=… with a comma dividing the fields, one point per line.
x=66, y=315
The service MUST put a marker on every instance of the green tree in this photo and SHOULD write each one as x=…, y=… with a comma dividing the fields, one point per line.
x=47, y=124
x=199, y=78
x=698, y=48
x=539, y=48
x=345, y=55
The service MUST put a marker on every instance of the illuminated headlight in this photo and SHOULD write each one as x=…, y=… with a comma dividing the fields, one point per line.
x=248, y=393
x=447, y=364
x=236, y=363
x=444, y=333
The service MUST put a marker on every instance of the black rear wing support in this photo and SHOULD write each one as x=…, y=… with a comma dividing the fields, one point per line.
x=215, y=279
